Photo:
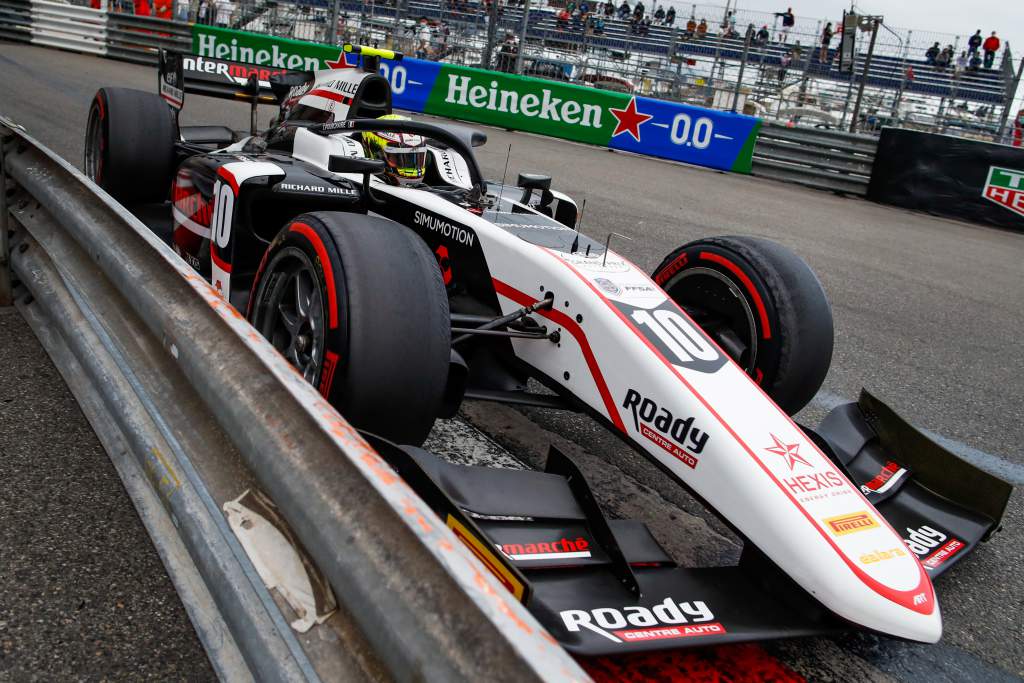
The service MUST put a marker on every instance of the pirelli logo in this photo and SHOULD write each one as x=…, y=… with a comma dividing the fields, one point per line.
x=848, y=524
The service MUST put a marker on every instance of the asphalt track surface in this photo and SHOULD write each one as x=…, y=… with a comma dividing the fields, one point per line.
x=928, y=316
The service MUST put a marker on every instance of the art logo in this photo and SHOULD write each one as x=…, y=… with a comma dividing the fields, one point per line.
x=1005, y=186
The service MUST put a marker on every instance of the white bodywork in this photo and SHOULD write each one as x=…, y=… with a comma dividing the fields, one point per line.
x=622, y=338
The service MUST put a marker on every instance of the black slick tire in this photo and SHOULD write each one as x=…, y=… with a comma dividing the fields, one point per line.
x=129, y=145
x=763, y=305
x=385, y=349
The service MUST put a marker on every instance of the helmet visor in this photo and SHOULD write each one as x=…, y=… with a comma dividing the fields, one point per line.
x=407, y=162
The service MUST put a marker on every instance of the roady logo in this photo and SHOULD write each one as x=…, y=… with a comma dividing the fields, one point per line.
x=671, y=433
x=667, y=619
x=1005, y=186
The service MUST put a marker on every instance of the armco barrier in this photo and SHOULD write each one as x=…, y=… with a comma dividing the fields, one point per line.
x=194, y=407
x=823, y=159
x=125, y=37
x=668, y=130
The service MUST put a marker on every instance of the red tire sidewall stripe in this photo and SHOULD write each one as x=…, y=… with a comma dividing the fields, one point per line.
x=762, y=311
x=325, y=263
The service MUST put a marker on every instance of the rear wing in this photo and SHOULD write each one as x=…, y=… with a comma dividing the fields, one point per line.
x=180, y=74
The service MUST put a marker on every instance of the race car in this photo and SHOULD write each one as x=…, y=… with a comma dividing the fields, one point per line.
x=372, y=252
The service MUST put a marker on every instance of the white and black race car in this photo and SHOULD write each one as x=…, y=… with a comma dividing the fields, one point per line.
x=399, y=301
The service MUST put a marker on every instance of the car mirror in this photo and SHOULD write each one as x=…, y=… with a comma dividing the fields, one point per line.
x=343, y=164
x=534, y=181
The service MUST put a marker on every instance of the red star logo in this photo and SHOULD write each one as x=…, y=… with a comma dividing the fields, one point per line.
x=789, y=451
x=340, y=63
x=629, y=120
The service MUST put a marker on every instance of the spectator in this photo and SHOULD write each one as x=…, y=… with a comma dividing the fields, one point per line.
x=762, y=36
x=788, y=21
x=729, y=24
x=961, y=61
x=507, y=54
x=645, y=26
x=1018, y=129
x=975, y=62
x=931, y=54
x=638, y=10
x=562, y=20
x=609, y=9
x=826, y=38
x=750, y=33
x=944, y=58
x=423, y=39
x=991, y=47
x=691, y=27
x=670, y=17
x=226, y=7
x=181, y=10
x=702, y=29
x=599, y=26
x=203, y=16
x=584, y=8
x=624, y=10
x=974, y=42
x=784, y=64
x=659, y=15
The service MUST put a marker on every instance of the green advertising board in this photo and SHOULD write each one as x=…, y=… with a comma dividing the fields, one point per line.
x=642, y=125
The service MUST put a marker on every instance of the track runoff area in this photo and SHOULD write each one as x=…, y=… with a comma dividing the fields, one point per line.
x=927, y=314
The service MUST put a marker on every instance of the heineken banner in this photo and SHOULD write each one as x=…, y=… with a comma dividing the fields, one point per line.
x=669, y=130
x=977, y=181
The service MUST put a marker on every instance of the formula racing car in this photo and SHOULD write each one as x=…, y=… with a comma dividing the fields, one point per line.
x=373, y=253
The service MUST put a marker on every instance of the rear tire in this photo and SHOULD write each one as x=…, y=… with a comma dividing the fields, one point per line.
x=375, y=338
x=763, y=305
x=129, y=145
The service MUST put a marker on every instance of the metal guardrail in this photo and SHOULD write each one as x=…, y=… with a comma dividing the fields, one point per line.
x=194, y=407
x=820, y=158
x=81, y=29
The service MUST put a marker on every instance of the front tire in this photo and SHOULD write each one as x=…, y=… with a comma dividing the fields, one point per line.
x=763, y=305
x=129, y=145
x=358, y=305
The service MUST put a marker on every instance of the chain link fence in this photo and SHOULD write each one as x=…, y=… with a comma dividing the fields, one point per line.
x=760, y=63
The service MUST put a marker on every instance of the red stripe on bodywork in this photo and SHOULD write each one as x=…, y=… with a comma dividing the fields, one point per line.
x=762, y=312
x=576, y=331
x=221, y=263
x=903, y=598
x=331, y=95
x=325, y=263
x=227, y=175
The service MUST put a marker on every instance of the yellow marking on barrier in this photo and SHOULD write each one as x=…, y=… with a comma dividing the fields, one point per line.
x=162, y=474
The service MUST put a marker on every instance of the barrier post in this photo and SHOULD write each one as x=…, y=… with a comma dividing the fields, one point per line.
x=522, y=36
x=1009, y=102
x=743, y=66
x=864, y=73
x=5, y=261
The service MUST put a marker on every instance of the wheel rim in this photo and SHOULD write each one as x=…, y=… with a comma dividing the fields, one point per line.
x=295, y=316
x=94, y=147
x=719, y=306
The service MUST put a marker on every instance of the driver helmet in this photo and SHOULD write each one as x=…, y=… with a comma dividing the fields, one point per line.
x=404, y=154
